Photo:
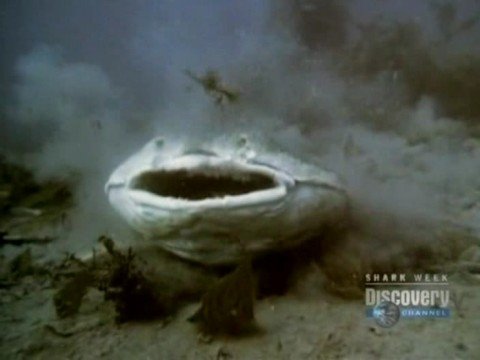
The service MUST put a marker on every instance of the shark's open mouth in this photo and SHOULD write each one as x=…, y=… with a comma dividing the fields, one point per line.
x=197, y=185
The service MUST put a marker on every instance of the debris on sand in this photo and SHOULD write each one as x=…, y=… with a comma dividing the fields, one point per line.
x=142, y=285
x=22, y=265
x=27, y=205
x=23, y=195
x=15, y=183
x=228, y=306
x=135, y=296
x=68, y=299
x=17, y=240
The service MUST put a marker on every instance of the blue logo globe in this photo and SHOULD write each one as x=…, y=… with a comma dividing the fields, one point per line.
x=386, y=314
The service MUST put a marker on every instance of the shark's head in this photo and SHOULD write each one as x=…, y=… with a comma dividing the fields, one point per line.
x=211, y=204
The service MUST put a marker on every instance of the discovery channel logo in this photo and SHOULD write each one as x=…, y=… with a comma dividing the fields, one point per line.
x=390, y=297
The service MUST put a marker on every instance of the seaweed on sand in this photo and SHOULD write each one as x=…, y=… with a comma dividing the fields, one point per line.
x=142, y=285
x=136, y=297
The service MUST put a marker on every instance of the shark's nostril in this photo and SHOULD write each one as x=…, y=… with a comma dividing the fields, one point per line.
x=202, y=183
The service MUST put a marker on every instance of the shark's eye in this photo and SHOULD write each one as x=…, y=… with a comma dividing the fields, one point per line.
x=197, y=184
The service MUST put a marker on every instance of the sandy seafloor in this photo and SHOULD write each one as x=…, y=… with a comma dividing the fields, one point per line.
x=294, y=327
x=306, y=323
